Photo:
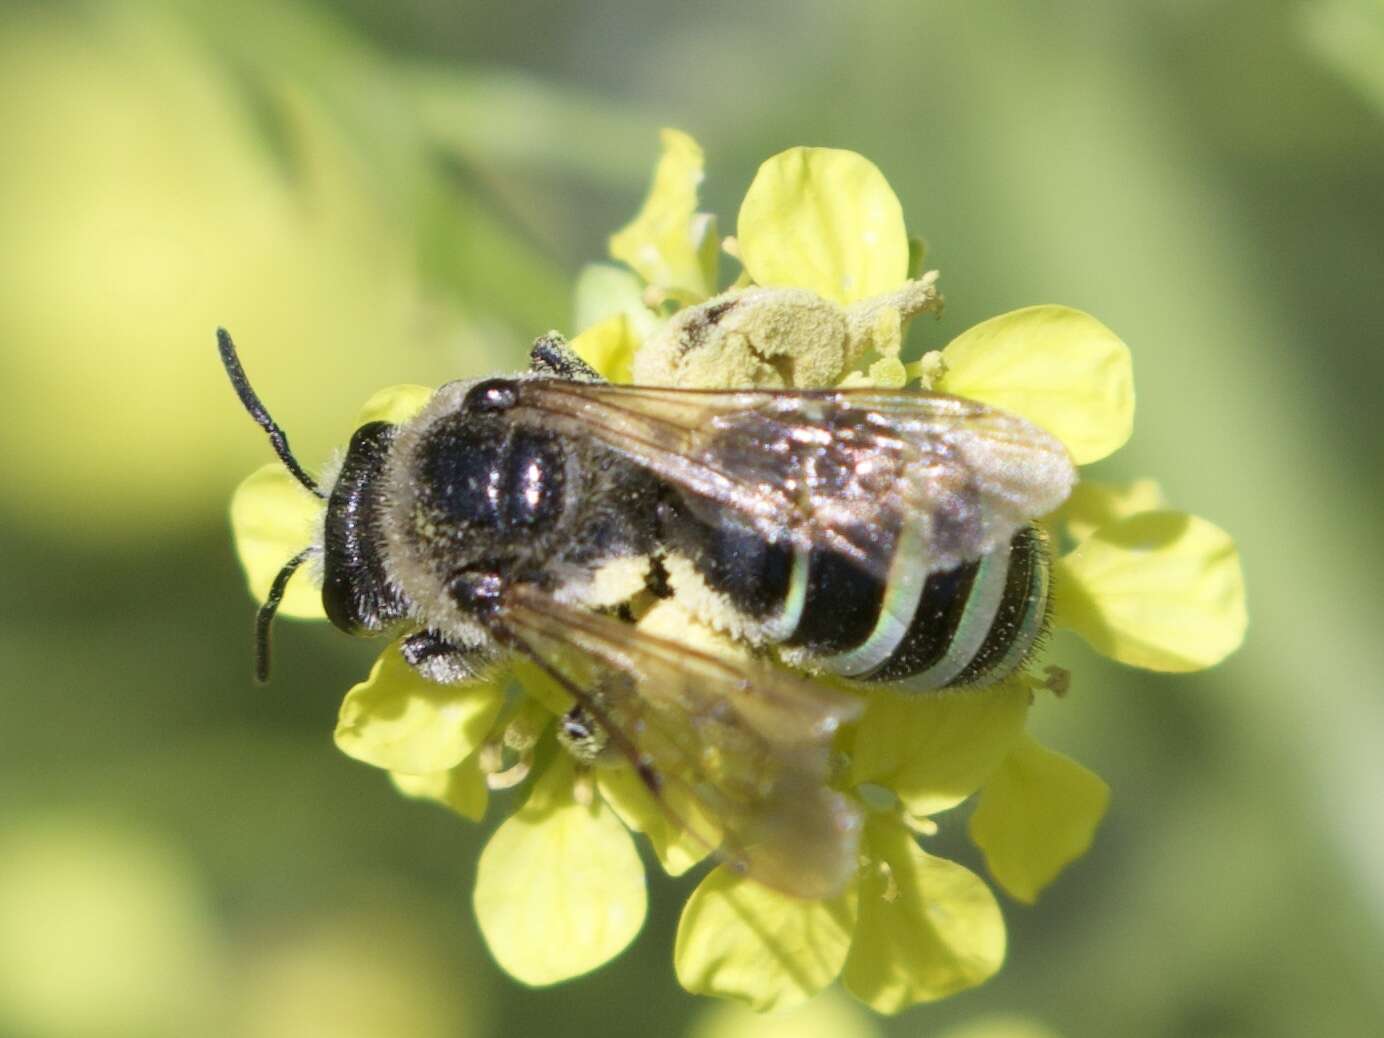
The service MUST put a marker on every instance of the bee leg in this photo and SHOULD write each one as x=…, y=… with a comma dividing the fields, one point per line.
x=553, y=358
x=441, y=661
x=581, y=735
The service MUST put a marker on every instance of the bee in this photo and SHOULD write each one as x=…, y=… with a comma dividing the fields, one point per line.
x=882, y=536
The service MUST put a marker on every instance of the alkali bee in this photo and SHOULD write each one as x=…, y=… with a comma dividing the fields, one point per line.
x=883, y=536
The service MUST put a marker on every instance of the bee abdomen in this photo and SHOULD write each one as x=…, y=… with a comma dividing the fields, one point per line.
x=973, y=624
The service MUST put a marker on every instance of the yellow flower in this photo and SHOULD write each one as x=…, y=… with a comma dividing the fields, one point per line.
x=672, y=246
x=830, y=1016
x=232, y=186
x=823, y=300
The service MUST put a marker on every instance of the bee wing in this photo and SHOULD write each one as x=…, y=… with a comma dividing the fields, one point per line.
x=843, y=470
x=747, y=744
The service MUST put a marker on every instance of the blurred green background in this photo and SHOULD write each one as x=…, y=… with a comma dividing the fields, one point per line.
x=368, y=194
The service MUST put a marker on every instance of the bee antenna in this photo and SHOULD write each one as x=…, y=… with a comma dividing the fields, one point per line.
x=265, y=617
x=257, y=410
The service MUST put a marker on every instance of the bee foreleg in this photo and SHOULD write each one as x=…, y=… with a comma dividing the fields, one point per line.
x=553, y=358
x=441, y=661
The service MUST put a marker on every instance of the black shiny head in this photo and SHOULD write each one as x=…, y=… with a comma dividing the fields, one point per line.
x=356, y=592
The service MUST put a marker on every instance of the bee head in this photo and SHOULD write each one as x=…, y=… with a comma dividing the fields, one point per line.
x=355, y=594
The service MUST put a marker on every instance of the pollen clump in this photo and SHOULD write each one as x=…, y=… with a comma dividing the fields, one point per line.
x=778, y=337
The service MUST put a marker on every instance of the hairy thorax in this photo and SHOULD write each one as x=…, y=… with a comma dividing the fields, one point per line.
x=489, y=499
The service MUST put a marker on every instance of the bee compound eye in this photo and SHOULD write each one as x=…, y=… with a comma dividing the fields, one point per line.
x=494, y=394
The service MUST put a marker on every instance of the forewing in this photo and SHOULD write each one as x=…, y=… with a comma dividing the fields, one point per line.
x=840, y=470
x=748, y=744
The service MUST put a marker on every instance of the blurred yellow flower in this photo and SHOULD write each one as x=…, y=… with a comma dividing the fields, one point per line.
x=829, y=1016
x=166, y=172
x=104, y=930
x=360, y=972
x=824, y=300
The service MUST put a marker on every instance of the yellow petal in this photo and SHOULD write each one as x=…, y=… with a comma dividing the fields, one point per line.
x=399, y=721
x=608, y=347
x=274, y=518
x=677, y=849
x=559, y=887
x=1059, y=368
x=1036, y=815
x=928, y=927
x=669, y=243
x=394, y=404
x=1161, y=590
x=829, y=1015
x=604, y=290
x=739, y=939
x=1094, y=504
x=462, y=788
x=538, y=686
x=936, y=750
x=824, y=220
